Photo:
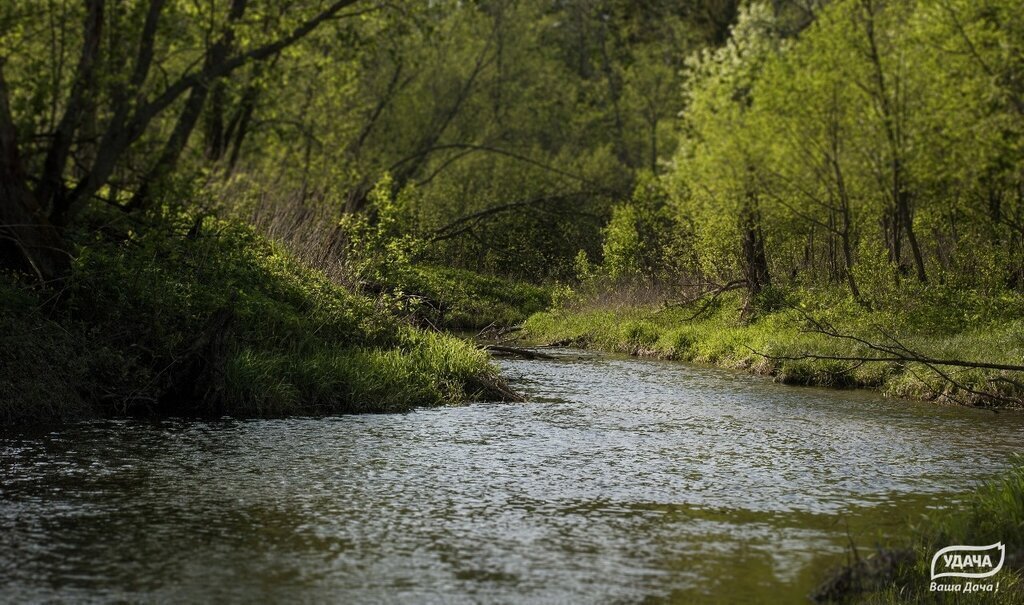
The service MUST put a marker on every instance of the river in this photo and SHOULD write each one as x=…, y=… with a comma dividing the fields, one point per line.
x=621, y=480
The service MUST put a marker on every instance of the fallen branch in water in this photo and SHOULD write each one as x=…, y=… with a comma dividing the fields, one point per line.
x=506, y=351
x=897, y=352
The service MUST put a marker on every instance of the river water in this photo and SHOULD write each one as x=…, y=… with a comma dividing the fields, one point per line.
x=622, y=480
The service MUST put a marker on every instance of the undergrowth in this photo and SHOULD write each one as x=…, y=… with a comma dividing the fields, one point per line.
x=205, y=317
x=457, y=299
x=993, y=514
x=779, y=341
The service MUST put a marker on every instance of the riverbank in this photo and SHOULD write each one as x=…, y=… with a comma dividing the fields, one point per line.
x=203, y=317
x=621, y=464
x=993, y=514
x=778, y=343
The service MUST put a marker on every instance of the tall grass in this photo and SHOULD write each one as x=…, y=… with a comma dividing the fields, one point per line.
x=310, y=231
x=776, y=344
x=132, y=331
x=994, y=513
x=424, y=370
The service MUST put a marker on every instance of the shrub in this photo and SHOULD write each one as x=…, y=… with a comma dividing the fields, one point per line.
x=204, y=317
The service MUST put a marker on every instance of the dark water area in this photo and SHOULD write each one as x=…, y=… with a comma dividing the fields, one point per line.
x=621, y=480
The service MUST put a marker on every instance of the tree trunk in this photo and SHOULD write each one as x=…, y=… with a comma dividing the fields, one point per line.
x=908, y=222
x=755, y=259
x=124, y=130
x=846, y=234
x=189, y=116
x=848, y=256
x=51, y=183
x=28, y=242
x=214, y=126
x=168, y=159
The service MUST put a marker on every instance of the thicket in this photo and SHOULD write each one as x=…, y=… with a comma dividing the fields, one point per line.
x=879, y=150
x=195, y=315
x=866, y=170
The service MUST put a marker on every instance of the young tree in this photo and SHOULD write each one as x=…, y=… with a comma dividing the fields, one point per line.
x=722, y=157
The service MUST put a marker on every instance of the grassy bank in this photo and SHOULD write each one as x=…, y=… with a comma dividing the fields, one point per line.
x=456, y=299
x=995, y=513
x=776, y=342
x=204, y=317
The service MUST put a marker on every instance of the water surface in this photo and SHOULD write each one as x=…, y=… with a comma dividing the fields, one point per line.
x=622, y=480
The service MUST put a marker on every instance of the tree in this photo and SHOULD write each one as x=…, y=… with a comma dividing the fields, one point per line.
x=722, y=158
x=34, y=216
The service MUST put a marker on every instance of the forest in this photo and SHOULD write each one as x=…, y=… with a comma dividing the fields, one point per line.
x=310, y=208
x=202, y=198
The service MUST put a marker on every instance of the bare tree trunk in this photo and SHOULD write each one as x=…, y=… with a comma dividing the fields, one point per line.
x=51, y=184
x=120, y=131
x=28, y=242
x=915, y=249
x=242, y=129
x=901, y=215
x=755, y=259
x=238, y=127
x=168, y=160
x=215, y=130
x=846, y=233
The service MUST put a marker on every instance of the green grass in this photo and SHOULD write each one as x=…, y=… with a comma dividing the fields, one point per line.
x=43, y=363
x=425, y=370
x=216, y=322
x=994, y=513
x=776, y=344
x=457, y=299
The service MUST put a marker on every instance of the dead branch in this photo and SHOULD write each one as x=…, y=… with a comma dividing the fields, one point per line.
x=900, y=351
x=715, y=293
x=506, y=351
x=895, y=351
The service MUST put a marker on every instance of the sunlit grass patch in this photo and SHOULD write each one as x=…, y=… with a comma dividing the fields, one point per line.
x=779, y=343
x=992, y=514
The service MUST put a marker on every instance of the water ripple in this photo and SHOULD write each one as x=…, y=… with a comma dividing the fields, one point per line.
x=621, y=480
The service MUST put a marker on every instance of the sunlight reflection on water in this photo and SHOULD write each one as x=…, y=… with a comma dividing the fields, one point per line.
x=623, y=479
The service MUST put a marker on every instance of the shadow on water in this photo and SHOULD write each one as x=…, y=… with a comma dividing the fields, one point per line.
x=622, y=480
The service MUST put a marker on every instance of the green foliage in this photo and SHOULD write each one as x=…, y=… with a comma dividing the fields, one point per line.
x=582, y=268
x=642, y=241
x=639, y=335
x=377, y=246
x=776, y=344
x=993, y=513
x=623, y=257
x=44, y=367
x=855, y=153
x=161, y=284
x=130, y=315
x=457, y=299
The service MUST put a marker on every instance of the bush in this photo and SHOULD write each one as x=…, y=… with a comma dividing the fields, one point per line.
x=462, y=300
x=204, y=317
